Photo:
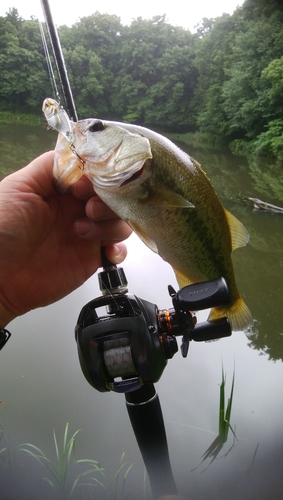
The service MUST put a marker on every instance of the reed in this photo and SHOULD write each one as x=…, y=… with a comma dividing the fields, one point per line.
x=113, y=483
x=2, y=450
x=60, y=469
x=224, y=425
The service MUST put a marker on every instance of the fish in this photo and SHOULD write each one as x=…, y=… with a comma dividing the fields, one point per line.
x=166, y=198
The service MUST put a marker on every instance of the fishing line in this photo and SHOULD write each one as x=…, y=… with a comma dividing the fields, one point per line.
x=108, y=290
x=62, y=74
x=60, y=62
x=49, y=63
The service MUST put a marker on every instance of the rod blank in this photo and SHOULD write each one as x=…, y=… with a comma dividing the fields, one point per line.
x=60, y=62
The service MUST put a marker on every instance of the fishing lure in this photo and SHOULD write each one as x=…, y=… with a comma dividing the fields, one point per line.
x=57, y=118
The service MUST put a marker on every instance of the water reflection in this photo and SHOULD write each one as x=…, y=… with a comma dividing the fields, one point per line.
x=258, y=267
x=216, y=448
x=21, y=143
x=42, y=386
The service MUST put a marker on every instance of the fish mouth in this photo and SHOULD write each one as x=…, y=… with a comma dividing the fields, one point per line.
x=134, y=177
x=120, y=177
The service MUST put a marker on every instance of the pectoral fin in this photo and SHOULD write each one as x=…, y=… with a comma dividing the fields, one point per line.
x=165, y=197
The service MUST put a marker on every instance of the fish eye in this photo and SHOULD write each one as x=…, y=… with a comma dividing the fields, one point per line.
x=96, y=126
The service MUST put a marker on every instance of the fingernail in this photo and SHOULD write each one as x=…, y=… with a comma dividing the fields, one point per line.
x=116, y=250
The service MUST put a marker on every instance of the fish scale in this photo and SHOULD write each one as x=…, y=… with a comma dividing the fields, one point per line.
x=203, y=225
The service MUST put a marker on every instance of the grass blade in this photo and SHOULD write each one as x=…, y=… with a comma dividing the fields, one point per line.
x=223, y=423
x=64, y=460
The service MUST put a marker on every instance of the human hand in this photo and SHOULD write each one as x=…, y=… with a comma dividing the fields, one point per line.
x=48, y=247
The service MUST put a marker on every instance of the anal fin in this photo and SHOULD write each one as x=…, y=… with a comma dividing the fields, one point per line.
x=182, y=279
x=238, y=313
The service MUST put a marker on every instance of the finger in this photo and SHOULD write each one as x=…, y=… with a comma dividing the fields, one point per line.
x=116, y=253
x=83, y=189
x=97, y=210
x=113, y=230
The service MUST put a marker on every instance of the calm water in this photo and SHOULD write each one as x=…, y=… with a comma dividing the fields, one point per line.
x=42, y=387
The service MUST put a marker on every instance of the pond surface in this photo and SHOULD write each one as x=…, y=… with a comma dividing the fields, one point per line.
x=42, y=387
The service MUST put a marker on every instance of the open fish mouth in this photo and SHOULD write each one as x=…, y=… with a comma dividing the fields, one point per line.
x=117, y=169
x=136, y=176
x=120, y=179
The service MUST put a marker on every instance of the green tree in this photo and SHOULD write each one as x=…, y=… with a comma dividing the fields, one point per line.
x=274, y=74
x=225, y=81
x=270, y=141
x=213, y=56
x=245, y=93
x=92, y=50
x=156, y=81
x=24, y=78
x=88, y=81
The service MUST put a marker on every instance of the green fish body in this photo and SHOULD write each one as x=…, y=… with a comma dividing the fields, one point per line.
x=164, y=195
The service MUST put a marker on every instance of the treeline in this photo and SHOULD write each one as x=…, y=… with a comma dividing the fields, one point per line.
x=224, y=83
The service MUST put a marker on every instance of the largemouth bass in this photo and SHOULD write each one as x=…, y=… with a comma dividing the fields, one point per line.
x=164, y=195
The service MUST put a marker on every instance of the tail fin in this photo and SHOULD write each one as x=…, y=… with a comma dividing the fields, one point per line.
x=238, y=314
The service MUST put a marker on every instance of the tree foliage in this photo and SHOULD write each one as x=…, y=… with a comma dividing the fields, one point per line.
x=22, y=63
x=225, y=80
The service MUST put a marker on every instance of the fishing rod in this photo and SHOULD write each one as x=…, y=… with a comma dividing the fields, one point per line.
x=127, y=350
x=60, y=62
x=143, y=407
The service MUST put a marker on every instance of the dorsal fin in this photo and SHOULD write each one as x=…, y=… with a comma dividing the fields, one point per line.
x=239, y=234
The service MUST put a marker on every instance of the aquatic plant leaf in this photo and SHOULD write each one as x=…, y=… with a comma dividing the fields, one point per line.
x=223, y=424
x=65, y=460
x=41, y=457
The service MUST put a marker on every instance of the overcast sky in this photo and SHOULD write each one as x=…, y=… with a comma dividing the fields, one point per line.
x=179, y=12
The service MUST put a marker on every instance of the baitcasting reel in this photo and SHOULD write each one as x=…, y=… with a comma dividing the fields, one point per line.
x=130, y=344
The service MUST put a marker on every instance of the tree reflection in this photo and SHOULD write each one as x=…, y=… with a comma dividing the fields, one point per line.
x=259, y=269
x=259, y=266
